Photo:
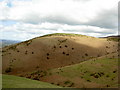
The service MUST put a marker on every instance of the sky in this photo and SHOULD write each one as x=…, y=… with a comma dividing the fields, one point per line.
x=26, y=19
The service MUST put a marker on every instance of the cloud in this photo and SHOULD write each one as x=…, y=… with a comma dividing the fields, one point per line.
x=106, y=19
x=39, y=17
x=57, y=11
x=25, y=31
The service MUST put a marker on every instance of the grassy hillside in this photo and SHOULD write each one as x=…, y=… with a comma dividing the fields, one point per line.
x=68, y=60
x=100, y=73
x=10, y=81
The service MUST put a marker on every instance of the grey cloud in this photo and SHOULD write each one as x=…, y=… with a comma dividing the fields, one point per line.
x=105, y=19
x=92, y=31
x=36, y=18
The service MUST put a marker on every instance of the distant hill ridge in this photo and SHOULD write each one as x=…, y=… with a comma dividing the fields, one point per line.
x=4, y=42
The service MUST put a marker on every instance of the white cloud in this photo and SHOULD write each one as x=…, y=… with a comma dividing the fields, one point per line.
x=45, y=10
x=39, y=17
x=23, y=31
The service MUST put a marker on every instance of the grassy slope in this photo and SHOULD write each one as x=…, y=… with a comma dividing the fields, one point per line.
x=103, y=72
x=10, y=81
x=88, y=71
x=63, y=34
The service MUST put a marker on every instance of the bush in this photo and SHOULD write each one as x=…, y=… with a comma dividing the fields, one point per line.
x=86, y=54
x=66, y=46
x=107, y=76
x=67, y=54
x=69, y=83
x=66, y=82
x=47, y=54
x=8, y=70
x=63, y=52
x=88, y=80
x=47, y=57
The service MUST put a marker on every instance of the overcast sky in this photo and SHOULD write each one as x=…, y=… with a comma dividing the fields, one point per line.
x=26, y=19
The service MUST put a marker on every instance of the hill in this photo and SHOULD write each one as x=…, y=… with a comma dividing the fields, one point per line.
x=34, y=58
x=100, y=73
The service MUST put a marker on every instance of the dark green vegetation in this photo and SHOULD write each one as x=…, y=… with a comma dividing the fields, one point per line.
x=10, y=81
x=113, y=39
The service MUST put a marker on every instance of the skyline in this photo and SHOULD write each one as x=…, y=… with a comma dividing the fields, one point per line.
x=26, y=19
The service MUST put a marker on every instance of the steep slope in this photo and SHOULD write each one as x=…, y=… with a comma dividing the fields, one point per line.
x=53, y=51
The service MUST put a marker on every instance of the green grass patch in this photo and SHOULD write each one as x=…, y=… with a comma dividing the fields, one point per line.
x=102, y=71
x=10, y=81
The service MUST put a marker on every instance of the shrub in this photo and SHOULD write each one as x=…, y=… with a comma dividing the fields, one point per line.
x=66, y=46
x=108, y=85
x=98, y=55
x=96, y=76
x=47, y=54
x=107, y=75
x=86, y=54
x=35, y=78
x=63, y=52
x=37, y=66
x=88, y=80
x=69, y=83
x=66, y=82
x=115, y=71
x=102, y=73
x=54, y=46
x=25, y=52
x=18, y=51
x=107, y=47
x=47, y=57
x=8, y=70
x=67, y=54
x=81, y=77
x=58, y=84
